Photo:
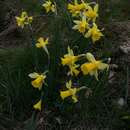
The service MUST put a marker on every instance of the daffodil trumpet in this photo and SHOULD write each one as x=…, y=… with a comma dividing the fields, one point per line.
x=38, y=105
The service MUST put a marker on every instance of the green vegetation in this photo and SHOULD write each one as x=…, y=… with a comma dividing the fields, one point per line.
x=97, y=107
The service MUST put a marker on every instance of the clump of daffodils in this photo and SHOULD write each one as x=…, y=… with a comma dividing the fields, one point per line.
x=85, y=15
x=91, y=67
x=24, y=19
x=88, y=68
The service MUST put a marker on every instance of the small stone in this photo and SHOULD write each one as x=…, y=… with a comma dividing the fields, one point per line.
x=121, y=102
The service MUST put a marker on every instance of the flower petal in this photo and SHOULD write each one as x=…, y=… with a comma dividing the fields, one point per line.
x=33, y=75
x=96, y=8
x=103, y=66
x=90, y=57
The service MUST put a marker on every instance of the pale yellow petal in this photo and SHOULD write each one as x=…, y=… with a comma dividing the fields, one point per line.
x=103, y=66
x=40, y=40
x=69, y=84
x=90, y=57
x=76, y=21
x=88, y=34
x=96, y=8
x=33, y=75
x=24, y=14
x=38, y=45
x=75, y=27
x=70, y=51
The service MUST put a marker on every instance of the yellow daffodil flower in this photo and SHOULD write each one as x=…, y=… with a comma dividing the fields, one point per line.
x=69, y=60
x=49, y=6
x=93, y=66
x=24, y=19
x=76, y=8
x=91, y=13
x=94, y=33
x=41, y=42
x=39, y=80
x=81, y=25
x=38, y=105
x=70, y=92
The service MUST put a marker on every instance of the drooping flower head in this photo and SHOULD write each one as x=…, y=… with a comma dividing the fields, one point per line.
x=70, y=92
x=93, y=66
x=38, y=81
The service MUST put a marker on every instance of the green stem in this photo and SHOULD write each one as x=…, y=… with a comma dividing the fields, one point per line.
x=48, y=55
x=31, y=34
x=127, y=84
x=82, y=88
